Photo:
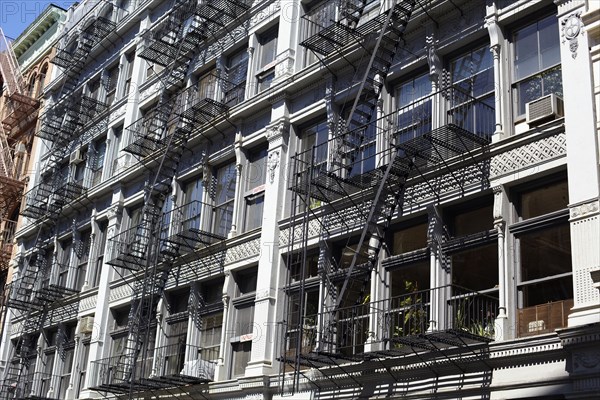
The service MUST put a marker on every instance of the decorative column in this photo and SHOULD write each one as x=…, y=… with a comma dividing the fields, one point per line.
x=582, y=160
x=250, y=83
x=75, y=372
x=501, y=92
x=93, y=251
x=237, y=202
x=269, y=264
x=501, y=211
x=226, y=331
x=97, y=350
x=440, y=272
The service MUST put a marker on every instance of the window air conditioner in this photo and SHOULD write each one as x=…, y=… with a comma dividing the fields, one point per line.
x=544, y=109
x=76, y=157
x=86, y=325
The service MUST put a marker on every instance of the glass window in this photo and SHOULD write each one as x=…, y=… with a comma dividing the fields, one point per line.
x=267, y=54
x=537, y=70
x=410, y=278
x=543, y=199
x=472, y=76
x=474, y=219
x=210, y=336
x=82, y=252
x=235, y=86
x=315, y=135
x=129, y=58
x=224, y=193
x=113, y=78
x=255, y=189
x=413, y=102
x=410, y=239
x=477, y=268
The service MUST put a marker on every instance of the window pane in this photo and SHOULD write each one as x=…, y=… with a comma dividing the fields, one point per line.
x=472, y=221
x=526, y=52
x=241, y=356
x=254, y=212
x=552, y=81
x=410, y=278
x=529, y=90
x=476, y=269
x=225, y=184
x=549, y=42
x=543, y=200
x=409, y=239
x=545, y=252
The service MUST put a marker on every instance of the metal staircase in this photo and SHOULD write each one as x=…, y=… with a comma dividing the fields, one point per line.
x=349, y=199
x=35, y=295
x=159, y=140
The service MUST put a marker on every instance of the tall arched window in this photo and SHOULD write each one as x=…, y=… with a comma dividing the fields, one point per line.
x=31, y=86
x=42, y=77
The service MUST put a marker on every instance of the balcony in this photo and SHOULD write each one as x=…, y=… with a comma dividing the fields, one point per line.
x=544, y=318
x=184, y=230
x=415, y=141
x=427, y=320
x=129, y=249
x=35, y=386
x=7, y=235
x=175, y=365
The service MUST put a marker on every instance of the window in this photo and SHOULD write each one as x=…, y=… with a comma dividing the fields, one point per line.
x=64, y=257
x=224, y=193
x=254, y=196
x=318, y=16
x=207, y=86
x=94, y=89
x=82, y=251
x=241, y=343
x=361, y=148
x=31, y=86
x=100, y=243
x=112, y=77
x=475, y=265
x=210, y=336
x=472, y=76
x=68, y=346
x=85, y=356
x=267, y=54
x=235, y=86
x=543, y=249
x=413, y=102
x=98, y=157
x=129, y=58
x=153, y=69
x=193, y=192
x=537, y=70
x=315, y=136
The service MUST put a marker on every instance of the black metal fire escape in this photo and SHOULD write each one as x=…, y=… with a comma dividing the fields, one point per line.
x=363, y=203
x=34, y=295
x=163, y=239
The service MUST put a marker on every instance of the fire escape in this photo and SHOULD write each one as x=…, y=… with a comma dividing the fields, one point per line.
x=37, y=295
x=17, y=106
x=348, y=189
x=155, y=249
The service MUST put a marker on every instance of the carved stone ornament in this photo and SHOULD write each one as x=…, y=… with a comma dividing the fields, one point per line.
x=586, y=361
x=272, y=163
x=571, y=28
x=276, y=131
x=583, y=210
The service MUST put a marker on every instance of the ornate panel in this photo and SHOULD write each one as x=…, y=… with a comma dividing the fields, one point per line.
x=528, y=155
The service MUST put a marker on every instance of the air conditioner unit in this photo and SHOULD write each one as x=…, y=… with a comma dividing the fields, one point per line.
x=86, y=325
x=76, y=156
x=544, y=109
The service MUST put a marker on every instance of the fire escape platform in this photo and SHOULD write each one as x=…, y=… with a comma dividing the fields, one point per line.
x=338, y=35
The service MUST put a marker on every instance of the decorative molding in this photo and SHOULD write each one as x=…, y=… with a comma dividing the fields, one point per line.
x=272, y=164
x=586, y=361
x=571, y=29
x=89, y=303
x=584, y=210
x=529, y=155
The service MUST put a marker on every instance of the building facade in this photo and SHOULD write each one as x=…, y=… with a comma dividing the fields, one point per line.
x=25, y=69
x=335, y=199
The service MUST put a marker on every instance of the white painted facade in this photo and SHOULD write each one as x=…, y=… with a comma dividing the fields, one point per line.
x=534, y=192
